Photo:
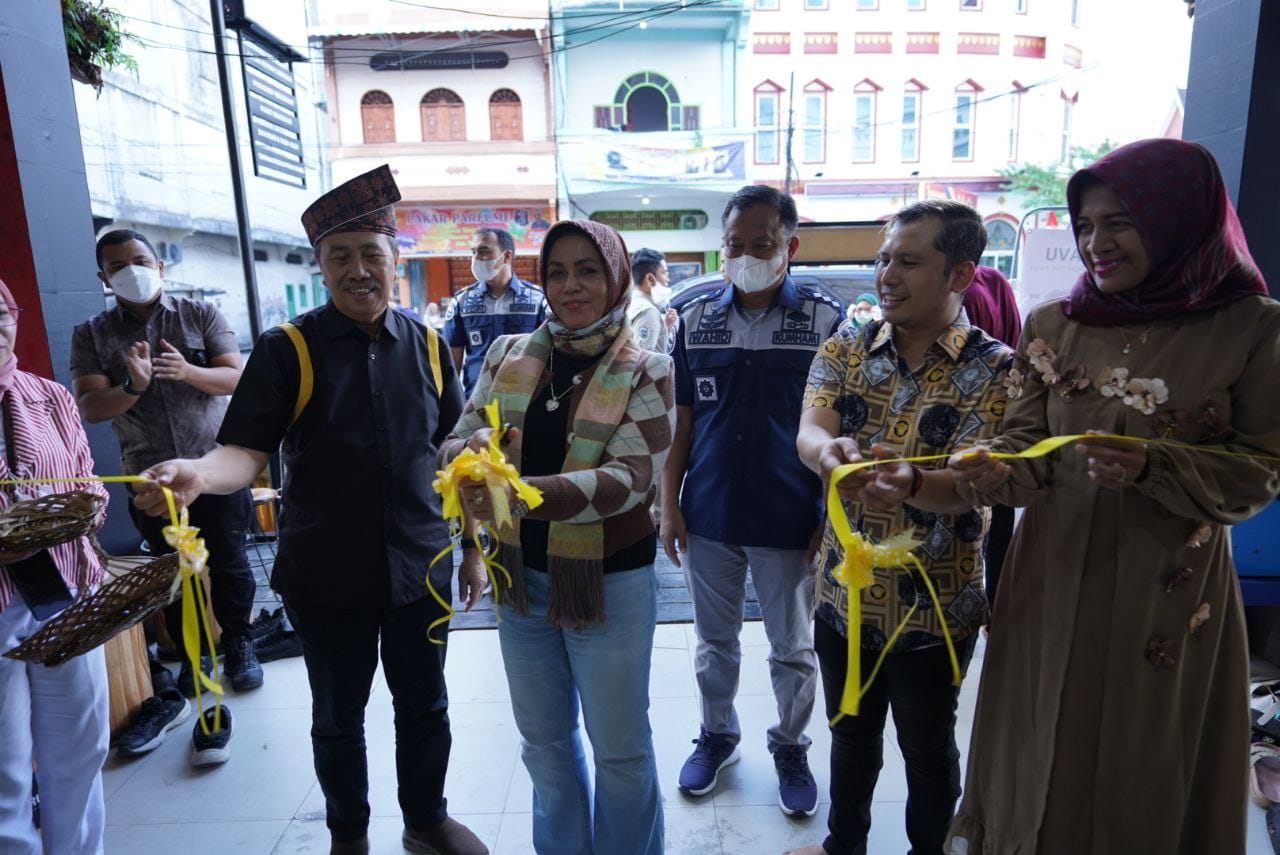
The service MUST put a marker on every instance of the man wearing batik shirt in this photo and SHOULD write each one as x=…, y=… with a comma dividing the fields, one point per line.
x=920, y=382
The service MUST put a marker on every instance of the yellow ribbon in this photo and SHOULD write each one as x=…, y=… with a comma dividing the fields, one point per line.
x=192, y=557
x=860, y=556
x=501, y=478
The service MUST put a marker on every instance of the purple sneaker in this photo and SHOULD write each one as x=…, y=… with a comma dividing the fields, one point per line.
x=797, y=791
x=701, y=771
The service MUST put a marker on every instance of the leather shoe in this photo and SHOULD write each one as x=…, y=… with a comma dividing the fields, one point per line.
x=350, y=847
x=448, y=838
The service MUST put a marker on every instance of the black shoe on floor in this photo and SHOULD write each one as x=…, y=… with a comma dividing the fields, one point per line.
x=265, y=623
x=186, y=682
x=162, y=679
x=210, y=749
x=243, y=670
x=157, y=716
x=280, y=643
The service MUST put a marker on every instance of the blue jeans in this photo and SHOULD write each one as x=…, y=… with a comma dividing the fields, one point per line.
x=605, y=668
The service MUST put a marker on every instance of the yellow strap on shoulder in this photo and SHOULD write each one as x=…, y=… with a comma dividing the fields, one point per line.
x=433, y=355
x=306, y=376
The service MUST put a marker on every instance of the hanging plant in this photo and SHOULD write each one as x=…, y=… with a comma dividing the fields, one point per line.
x=95, y=40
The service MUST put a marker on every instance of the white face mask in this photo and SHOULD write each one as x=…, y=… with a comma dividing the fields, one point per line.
x=485, y=271
x=136, y=284
x=750, y=274
x=863, y=316
x=661, y=294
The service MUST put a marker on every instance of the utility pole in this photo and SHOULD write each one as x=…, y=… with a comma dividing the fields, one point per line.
x=237, y=176
x=791, y=127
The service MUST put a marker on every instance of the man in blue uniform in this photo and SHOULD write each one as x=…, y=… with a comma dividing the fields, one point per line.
x=497, y=303
x=735, y=493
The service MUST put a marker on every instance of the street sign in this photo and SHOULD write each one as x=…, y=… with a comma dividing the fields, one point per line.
x=275, y=136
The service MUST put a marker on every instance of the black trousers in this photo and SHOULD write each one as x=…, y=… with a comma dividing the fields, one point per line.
x=998, y=538
x=917, y=686
x=340, y=648
x=224, y=523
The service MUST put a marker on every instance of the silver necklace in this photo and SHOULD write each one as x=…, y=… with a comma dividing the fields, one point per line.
x=1141, y=340
x=553, y=403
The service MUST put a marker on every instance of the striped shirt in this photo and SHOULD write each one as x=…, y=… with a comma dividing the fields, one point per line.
x=46, y=440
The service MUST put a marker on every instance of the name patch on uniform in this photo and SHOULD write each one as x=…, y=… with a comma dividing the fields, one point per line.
x=808, y=339
x=712, y=337
x=524, y=308
x=706, y=387
x=477, y=338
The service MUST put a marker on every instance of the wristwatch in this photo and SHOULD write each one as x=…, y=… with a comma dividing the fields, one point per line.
x=127, y=387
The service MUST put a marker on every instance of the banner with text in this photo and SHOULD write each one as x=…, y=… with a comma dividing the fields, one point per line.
x=424, y=230
x=635, y=163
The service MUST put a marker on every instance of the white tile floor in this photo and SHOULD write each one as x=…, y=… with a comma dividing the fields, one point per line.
x=266, y=800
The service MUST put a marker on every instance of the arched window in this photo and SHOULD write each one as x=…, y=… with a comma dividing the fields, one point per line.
x=1002, y=235
x=378, y=115
x=444, y=116
x=505, y=120
x=647, y=101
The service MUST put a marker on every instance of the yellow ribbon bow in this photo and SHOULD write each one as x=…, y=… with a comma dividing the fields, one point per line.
x=502, y=480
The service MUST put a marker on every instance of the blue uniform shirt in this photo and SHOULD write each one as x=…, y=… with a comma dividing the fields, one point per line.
x=475, y=319
x=744, y=376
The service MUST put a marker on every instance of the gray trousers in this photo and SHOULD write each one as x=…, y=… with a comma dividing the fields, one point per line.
x=716, y=574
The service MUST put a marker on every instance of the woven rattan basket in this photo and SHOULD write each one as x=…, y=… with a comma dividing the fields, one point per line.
x=36, y=524
x=94, y=618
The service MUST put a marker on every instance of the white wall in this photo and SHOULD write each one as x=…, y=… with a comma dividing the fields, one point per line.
x=1041, y=112
x=524, y=75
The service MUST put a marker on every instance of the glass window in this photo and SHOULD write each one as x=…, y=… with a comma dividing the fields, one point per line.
x=971, y=4
x=962, y=135
x=815, y=5
x=1067, y=105
x=864, y=111
x=766, y=127
x=915, y=5
x=868, y=5
x=766, y=5
x=1075, y=13
x=815, y=127
x=1020, y=6
x=911, y=126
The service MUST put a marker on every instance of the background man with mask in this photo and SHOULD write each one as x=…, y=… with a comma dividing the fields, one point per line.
x=741, y=356
x=159, y=367
x=497, y=303
x=647, y=313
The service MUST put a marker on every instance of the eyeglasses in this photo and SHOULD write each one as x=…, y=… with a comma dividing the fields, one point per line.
x=9, y=315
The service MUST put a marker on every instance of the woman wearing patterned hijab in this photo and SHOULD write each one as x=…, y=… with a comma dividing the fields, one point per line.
x=1112, y=715
x=592, y=419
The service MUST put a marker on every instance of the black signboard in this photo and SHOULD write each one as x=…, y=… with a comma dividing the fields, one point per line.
x=274, y=132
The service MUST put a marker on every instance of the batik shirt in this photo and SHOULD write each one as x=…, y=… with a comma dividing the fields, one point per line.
x=955, y=398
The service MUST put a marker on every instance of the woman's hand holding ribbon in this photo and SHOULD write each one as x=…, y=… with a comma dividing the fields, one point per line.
x=180, y=476
x=976, y=467
x=1113, y=463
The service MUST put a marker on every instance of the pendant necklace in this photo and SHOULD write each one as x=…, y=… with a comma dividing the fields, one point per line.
x=1141, y=340
x=553, y=403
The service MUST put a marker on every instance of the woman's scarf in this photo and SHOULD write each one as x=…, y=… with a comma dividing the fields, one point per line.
x=1198, y=256
x=9, y=370
x=991, y=306
x=575, y=551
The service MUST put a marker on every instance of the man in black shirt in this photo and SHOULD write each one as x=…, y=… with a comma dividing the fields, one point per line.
x=361, y=398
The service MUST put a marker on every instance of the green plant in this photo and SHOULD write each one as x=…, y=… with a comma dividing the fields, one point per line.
x=1047, y=185
x=95, y=40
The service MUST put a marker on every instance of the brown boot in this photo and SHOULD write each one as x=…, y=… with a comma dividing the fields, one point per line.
x=448, y=838
x=349, y=847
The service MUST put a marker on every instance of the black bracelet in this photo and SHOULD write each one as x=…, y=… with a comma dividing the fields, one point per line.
x=917, y=480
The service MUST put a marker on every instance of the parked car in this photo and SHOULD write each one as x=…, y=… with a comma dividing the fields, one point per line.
x=841, y=282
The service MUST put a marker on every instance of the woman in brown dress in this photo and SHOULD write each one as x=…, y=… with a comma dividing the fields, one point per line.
x=1112, y=716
